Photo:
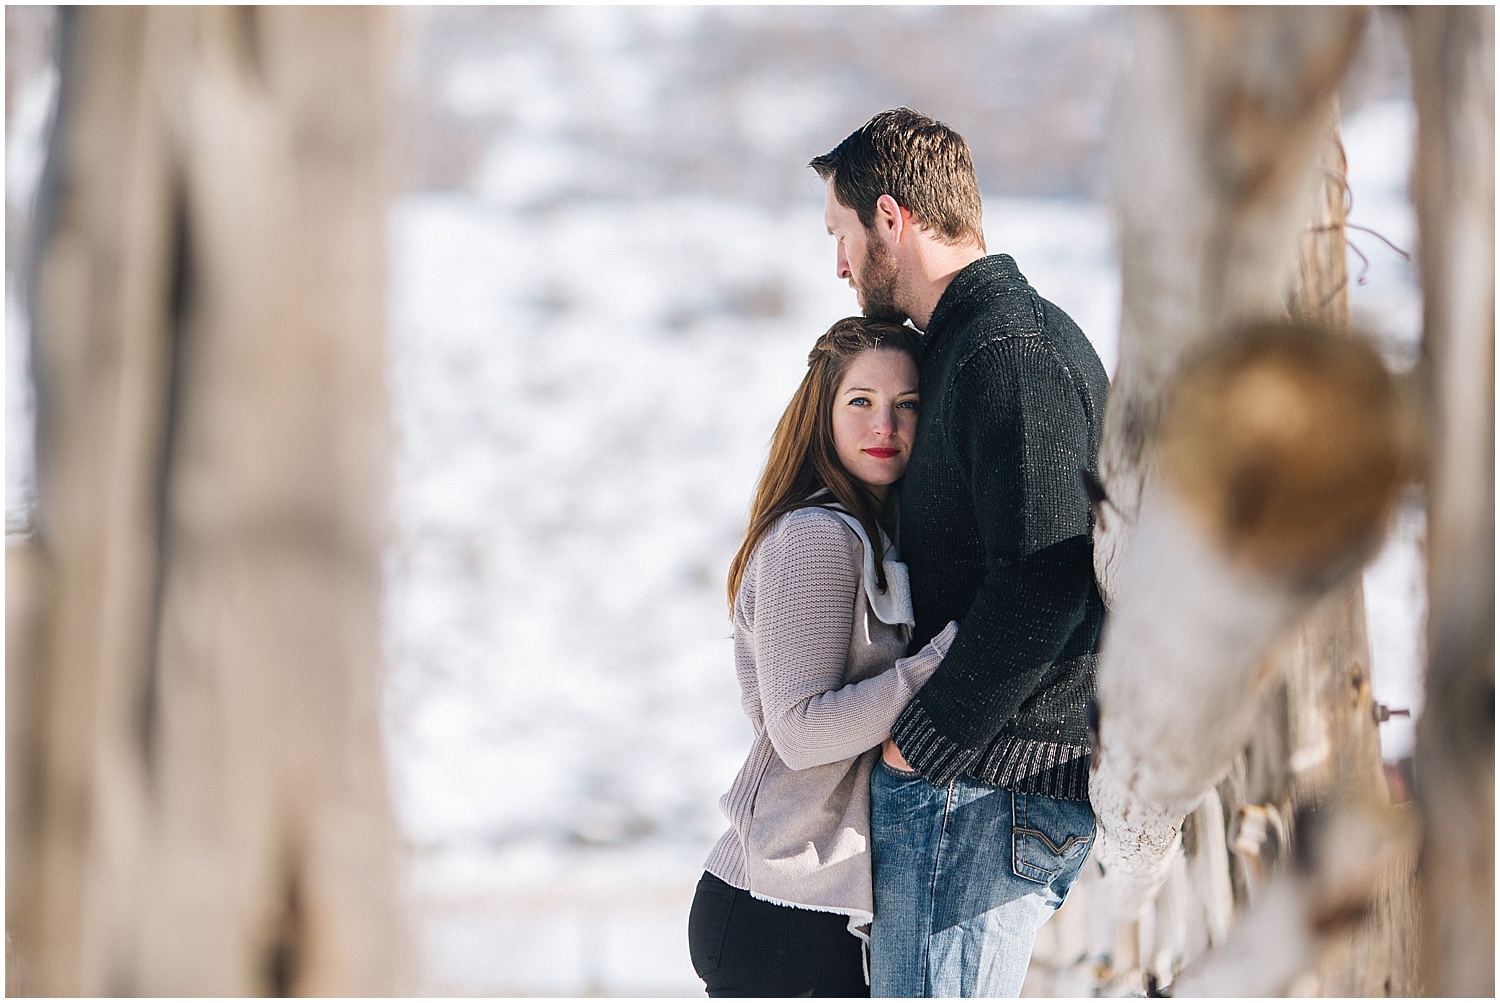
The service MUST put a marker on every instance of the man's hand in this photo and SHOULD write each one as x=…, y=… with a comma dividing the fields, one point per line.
x=893, y=757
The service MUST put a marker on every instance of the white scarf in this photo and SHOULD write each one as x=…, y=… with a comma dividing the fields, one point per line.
x=893, y=606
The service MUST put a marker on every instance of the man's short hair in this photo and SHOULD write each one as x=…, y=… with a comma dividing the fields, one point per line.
x=919, y=162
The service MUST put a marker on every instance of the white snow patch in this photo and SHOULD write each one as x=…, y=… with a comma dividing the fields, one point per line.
x=523, y=85
x=1384, y=295
x=1396, y=617
x=523, y=170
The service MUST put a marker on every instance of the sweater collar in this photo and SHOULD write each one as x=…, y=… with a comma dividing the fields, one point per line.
x=968, y=291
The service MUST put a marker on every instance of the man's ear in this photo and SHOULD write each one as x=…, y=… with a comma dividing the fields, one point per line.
x=891, y=221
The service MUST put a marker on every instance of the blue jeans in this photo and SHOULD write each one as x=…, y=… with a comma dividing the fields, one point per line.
x=964, y=878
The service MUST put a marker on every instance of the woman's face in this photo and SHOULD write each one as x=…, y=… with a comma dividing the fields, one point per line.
x=875, y=417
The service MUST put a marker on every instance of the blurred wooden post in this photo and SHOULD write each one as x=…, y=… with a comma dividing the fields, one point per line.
x=1453, y=81
x=1217, y=134
x=1322, y=746
x=212, y=814
x=1216, y=158
x=30, y=44
x=1228, y=151
x=1315, y=745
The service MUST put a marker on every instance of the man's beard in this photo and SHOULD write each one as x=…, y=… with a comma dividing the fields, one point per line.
x=876, y=289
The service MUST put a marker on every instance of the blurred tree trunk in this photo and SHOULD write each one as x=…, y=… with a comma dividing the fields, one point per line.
x=1453, y=80
x=1216, y=724
x=1217, y=133
x=209, y=811
x=1216, y=162
x=30, y=47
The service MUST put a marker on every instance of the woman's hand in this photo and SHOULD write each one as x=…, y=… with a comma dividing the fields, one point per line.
x=893, y=758
x=925, y=663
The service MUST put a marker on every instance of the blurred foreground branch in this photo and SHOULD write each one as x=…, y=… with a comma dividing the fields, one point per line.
x=1251, y=462
x=195, y=626
x=1453, y=82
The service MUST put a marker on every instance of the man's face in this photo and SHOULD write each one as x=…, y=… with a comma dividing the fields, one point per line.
x=862, y=258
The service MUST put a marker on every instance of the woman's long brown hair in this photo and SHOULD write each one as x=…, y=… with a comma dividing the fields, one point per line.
x=803, y=459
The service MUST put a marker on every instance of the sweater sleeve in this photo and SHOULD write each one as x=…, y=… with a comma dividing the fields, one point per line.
x=807, y=580
x=1021, y=433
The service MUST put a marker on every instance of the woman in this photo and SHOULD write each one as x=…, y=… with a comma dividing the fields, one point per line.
x=821, y=618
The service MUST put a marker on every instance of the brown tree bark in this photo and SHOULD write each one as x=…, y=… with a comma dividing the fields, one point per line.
x=211, y=812
x=1453, y=82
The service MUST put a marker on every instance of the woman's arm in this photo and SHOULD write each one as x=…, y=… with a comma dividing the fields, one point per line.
x=807, y=579
x=837, y=724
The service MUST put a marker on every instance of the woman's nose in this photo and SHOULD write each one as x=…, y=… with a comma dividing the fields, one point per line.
x=885, y=421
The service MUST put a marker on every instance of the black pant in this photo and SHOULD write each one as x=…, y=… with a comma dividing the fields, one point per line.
x=742, y=946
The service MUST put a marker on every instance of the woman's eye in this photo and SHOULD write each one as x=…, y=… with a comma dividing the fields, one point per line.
x=909, y=405
x=860, y=401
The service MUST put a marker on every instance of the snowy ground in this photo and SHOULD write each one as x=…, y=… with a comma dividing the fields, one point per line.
x=584, y=396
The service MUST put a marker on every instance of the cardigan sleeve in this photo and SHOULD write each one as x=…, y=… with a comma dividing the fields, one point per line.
x=1021, y=434
x=807, y=577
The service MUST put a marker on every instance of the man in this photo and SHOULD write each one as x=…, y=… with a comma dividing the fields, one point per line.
x=979, y=810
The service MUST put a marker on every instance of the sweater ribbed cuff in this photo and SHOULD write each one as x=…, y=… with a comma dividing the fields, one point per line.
x=1025, y=766
x=1035, y=766
x=934, y=755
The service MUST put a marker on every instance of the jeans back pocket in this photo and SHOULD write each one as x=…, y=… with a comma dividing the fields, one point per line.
x=1048, y=835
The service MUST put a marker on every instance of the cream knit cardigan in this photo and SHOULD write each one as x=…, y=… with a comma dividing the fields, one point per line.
x=822, y=680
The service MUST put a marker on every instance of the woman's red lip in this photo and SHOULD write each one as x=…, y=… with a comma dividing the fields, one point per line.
x=883, y=453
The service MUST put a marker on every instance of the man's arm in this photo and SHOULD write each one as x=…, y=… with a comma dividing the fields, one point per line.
x=1022, y=434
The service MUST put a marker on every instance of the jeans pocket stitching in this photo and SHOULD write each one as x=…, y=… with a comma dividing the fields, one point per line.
x=1061, y=851
x=1021, y=830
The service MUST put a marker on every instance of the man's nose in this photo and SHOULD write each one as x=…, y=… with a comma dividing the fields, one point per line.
x=842, y=265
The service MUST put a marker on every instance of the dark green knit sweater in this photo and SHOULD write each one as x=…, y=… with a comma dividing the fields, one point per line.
x=997, y=534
